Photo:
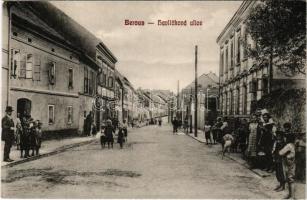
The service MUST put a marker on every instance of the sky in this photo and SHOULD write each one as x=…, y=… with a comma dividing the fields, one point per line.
x=152, y=56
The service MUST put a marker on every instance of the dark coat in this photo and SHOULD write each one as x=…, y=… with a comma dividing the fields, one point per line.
x=7, y=133
x=121, y=135
x=109, y=130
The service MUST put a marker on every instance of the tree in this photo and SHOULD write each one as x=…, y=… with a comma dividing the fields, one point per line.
x=278, y=28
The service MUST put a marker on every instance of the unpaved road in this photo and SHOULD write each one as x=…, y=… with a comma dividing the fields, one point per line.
x=153, y=164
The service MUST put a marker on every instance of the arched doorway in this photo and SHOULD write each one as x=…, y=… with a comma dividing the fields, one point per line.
x=24, y=107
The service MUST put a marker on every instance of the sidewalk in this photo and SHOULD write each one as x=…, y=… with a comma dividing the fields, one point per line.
x=268, y=179
x=48, y=147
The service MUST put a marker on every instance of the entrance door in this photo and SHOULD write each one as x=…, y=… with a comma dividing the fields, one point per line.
x=24, y=107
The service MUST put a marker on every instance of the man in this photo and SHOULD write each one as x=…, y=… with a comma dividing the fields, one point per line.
x=8, y=133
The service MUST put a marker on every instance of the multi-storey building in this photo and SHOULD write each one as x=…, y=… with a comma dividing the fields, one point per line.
x=51, y=65
x=243, y=82
x=207, y=104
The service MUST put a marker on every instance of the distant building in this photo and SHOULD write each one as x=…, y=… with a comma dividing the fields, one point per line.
x=243, y=82
x=207, y=107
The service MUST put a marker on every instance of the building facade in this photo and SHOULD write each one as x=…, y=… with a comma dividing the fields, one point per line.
x=51, y=67
x=243, y=82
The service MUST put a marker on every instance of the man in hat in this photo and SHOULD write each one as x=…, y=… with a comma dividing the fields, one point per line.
x=8, y=128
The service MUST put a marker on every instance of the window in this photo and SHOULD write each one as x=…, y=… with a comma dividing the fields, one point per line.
x=110, y=82
x=238, y=102
x=244, y=100
x=51, y=73
x=15, y=64
x=265, y=85
x=90, y=82
x=70, y=78
x=37, y=68
x=52, y=50
x=70, y=115
x=51, y=114
x=15, y=33
x=231, y=55
x=222, y=63
x=85, y=80
x=104, y=80
x=226, y=61
x=29, y=66
x=238, y=50
x=29, y=40
x=231, y=102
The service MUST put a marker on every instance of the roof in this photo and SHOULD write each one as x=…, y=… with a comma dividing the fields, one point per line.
x=62, y=26
x=204, y=80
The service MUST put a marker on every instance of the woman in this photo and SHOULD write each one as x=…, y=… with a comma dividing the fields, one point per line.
x=252, y=140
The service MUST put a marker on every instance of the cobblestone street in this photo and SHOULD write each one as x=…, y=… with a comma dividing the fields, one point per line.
x=153, y=164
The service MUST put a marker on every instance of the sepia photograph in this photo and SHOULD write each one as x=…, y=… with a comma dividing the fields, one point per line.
x=153, y=99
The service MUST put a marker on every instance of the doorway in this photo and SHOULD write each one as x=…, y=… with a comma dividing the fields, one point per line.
x=24, y=107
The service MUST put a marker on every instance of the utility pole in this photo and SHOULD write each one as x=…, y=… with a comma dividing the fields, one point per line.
x=195, y=114
x=177, y=99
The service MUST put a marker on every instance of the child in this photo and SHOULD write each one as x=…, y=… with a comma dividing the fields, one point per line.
x=103, y=139
x=288, y=156
x=38, y=136
x=207, y=130
x=228, y=140
x=278, y=145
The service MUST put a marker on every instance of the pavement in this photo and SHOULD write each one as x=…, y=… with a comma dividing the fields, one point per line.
x=48, y=147
x=154, y=163
x=269, y=178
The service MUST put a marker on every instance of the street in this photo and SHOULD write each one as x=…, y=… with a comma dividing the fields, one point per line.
x=153, y=164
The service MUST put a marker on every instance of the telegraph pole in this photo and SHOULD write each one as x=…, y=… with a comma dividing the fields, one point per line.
x=177, y=113
x=195, y=114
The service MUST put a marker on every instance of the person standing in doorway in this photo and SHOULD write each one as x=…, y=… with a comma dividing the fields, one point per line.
x=8, y=129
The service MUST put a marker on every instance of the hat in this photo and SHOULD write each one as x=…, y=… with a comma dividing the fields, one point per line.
x=9, y=109
x=264, y=111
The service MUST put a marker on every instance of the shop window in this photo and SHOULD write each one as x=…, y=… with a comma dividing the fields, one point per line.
x=51, y=114
x=70, y=114
x=70, y=78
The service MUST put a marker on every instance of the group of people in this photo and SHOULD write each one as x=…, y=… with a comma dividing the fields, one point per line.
x=108, y=134
x=27, y=134
x=263, y=145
